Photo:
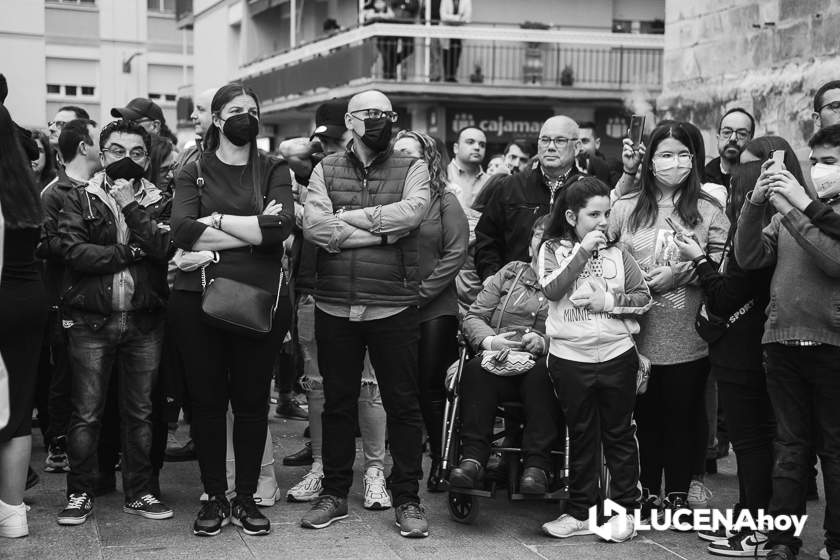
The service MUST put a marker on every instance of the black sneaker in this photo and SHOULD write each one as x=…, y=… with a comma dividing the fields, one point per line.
x=747, y=544
x=722, y=533
x=213, y=515
x=781, y=552
x=289, y=409
x=411, y=519
x=677, y=501
x=245, y=513
x=651, y=505
x=299, y=458
x=79, y=506
x=56, y=461
x=148, y=506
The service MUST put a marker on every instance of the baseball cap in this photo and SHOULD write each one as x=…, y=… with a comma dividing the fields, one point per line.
x=139, y=108
x=329, y=119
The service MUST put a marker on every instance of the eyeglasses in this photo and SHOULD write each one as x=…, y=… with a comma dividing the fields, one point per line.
x=560, y=141
x=119, y=152
x=363, y=114
x=683, y=157
x=58, y=124
x=834, y=107
x=740, y=134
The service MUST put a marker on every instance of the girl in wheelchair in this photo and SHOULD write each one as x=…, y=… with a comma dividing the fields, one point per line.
x=595, y=289
x=508, y=317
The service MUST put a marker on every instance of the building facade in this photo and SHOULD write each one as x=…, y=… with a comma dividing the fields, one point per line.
x=520, y=61
x=786, y=50
x=96, y=54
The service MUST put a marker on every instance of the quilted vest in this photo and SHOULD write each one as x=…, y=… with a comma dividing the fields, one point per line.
x=380, y=275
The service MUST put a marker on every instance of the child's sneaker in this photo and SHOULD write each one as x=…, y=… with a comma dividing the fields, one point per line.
x=376, y=496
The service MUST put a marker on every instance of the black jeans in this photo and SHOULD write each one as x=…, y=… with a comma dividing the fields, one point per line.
x=803, y=381
x=597, y=401
x=438, y=349
x=481, y=393
x=59, y=405
x=751, y=425
x=220, y=368
x=388, y=50
x=392, y=343
x=121, y=347
x=668, y=431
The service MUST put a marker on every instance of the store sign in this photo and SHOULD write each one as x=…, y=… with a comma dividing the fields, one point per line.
x=498, y=125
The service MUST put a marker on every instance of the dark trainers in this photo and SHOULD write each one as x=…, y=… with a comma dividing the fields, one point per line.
x=678, y=502
x=534, y=481
x=148, y=506
x=56, y=461
x=722, y=533
x=411, y=519
x=747, y=544
x=79, y=506
x=213, y=515
x=299, y=458
x=781, y=552
x=325, y=510
x=245, y=513
x=651, y=505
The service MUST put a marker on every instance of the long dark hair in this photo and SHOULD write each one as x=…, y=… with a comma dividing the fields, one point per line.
x=576, y=197
x=686, y=196
x=19, y=196
x=47, y=174
x=697, y=142
x=225, y=95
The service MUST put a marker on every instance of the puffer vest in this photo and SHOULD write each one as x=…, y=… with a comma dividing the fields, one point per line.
x=386, y=275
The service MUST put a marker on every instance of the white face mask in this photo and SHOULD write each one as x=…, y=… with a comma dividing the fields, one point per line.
x=670, y=172
x=826, y=179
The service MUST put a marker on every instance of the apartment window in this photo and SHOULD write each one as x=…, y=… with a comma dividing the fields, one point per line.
x=168, y=97
x=70, y=91
x=54, y=89
x=88, y=90
x=622, y=26
x=76, y=2
x=161, y=5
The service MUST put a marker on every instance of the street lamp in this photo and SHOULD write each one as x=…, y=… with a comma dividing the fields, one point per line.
x=126, y=65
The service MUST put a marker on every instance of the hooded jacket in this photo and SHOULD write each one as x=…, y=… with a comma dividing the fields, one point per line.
x=577, y=333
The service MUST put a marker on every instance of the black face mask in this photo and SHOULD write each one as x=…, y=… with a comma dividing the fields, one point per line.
x=241, y=129
x=124, y=168
x=377, y=135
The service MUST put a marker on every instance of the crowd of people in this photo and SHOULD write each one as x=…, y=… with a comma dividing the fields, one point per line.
x=140, y=283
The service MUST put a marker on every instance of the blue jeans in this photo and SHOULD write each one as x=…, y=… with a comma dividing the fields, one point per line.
x=121, y=347
x=804, y=388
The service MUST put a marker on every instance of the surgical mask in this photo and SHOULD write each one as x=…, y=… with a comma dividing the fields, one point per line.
x=125, y=168
x=826, y=179
x=670, y=172
x=241, y=129
x=377, y=134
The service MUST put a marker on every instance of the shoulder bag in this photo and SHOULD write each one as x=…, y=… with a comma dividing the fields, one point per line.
x=507, y=362
x=235, y=306
x=712, y=327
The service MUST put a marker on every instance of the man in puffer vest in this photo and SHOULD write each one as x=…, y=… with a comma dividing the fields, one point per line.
x=362, y=211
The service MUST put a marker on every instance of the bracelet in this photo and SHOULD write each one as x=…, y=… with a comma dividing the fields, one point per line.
x=633, y=173
x=214, y=220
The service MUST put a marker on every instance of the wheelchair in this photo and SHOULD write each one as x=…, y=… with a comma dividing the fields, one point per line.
x=463, y=502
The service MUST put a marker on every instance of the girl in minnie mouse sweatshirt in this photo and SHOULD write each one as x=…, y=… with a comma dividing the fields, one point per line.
x=596, y=289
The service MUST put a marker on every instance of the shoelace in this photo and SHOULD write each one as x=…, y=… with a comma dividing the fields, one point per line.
x=326, y=503
x=413, y=511
x=376, y=484
x=249, y=507
x=699, y=492
x=211, y=509
x=149, y=499
x=77, y=501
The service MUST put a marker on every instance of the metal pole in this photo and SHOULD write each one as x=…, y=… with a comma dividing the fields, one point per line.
x=361, y=10
x=292, y=23
x=427, y=43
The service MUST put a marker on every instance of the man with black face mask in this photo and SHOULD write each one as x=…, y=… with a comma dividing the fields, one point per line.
x=735, y=130
x=115, y=244
x=362, y=211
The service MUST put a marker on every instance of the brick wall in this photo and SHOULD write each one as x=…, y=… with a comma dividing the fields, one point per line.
x=769, y=56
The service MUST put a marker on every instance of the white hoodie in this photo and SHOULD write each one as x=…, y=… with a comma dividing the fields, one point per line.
x=578, y=334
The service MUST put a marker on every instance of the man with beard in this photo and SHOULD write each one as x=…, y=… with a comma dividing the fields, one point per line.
x=362, y=210
x=827, y=104
x=591, y=160
x=736, y=129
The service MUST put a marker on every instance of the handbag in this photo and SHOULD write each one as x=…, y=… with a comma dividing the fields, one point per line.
x=711, y=327
x=507, y=362
x=235, y=306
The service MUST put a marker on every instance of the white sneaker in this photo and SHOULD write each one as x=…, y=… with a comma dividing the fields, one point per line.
x=824, y=554
x=13, y=522
x=307, y=489
x=376, y=495
x=566, y=526
x=698, y=495
x=267, y=501
x=622, y=528
x=751, y=544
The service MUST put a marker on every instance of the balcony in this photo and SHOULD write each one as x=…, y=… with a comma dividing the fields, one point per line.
x=493, y=61
x=184, y=17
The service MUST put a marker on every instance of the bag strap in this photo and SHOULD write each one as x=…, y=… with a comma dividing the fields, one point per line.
x=509, y=294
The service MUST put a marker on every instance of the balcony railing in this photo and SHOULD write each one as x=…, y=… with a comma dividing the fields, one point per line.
x=494, y=57
x=184, y=13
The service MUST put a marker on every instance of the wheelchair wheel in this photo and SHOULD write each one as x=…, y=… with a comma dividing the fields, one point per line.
x=463, y=508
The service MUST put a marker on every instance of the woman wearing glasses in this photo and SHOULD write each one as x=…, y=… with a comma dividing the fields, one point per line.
x=233, y=209
x=670, y=202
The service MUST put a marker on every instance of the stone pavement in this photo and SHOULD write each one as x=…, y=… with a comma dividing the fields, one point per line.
x=503, y=530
